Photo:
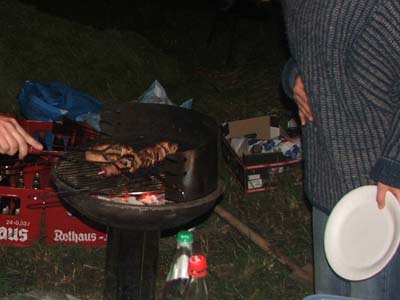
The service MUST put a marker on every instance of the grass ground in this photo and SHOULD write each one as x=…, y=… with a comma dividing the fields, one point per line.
x=229, y=64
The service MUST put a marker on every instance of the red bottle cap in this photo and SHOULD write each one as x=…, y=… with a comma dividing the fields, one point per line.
x=198, y=266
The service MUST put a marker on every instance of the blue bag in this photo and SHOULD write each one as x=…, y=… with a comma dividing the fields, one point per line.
x=44, y=101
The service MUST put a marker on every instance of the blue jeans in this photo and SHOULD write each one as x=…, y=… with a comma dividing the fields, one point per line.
x=383, y=286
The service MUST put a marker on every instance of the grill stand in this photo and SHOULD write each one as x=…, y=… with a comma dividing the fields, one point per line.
x=131, y=264
x=132, y=252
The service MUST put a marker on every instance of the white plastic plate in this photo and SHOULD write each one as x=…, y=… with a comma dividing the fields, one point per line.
x=360, y=238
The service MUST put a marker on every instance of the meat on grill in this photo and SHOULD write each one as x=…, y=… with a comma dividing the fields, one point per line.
x=117, y=157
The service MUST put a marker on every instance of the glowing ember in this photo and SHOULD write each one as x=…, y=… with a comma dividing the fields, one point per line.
x=139, y=198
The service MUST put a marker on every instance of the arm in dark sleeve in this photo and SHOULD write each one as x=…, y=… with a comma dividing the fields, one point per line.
x=288, y=77
x=387, y=168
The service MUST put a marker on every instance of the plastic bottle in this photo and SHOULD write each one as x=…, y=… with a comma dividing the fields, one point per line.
x=197, y=287
x=178, y=275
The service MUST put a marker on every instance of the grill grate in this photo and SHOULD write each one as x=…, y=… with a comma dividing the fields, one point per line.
x=79, y=174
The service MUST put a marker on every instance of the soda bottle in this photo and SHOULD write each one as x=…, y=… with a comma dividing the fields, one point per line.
x=197, y=287
x=178, y=275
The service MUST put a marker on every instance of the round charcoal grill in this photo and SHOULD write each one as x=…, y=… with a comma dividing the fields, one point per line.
x=189, y=179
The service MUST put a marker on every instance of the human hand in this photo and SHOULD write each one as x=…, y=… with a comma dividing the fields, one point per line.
x=381, y=194
x=13, y=138
x=301, y=99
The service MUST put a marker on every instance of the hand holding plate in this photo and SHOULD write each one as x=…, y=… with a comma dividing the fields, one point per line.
x=381, y=194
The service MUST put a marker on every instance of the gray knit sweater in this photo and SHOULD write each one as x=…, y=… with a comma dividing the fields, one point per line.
x=348, y=54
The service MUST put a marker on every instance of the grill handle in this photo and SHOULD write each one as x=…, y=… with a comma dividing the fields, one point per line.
x=44, y=205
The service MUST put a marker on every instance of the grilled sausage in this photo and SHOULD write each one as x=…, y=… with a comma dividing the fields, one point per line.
x=117, y=157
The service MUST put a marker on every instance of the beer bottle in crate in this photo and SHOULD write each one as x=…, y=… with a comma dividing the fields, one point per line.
x=21, y=185
x=36, y=181
x=197, y=287
x=21, y=180
x=178, y=275
x=6, y=208
x=4, y=201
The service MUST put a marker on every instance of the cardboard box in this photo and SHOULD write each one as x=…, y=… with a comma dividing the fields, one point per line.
x=255, y=171
x=262, y=128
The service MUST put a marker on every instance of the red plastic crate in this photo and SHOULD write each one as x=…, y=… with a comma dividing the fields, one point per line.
x=73, y=134
x=63, y=227
x=25, y=228
x=60, y=226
